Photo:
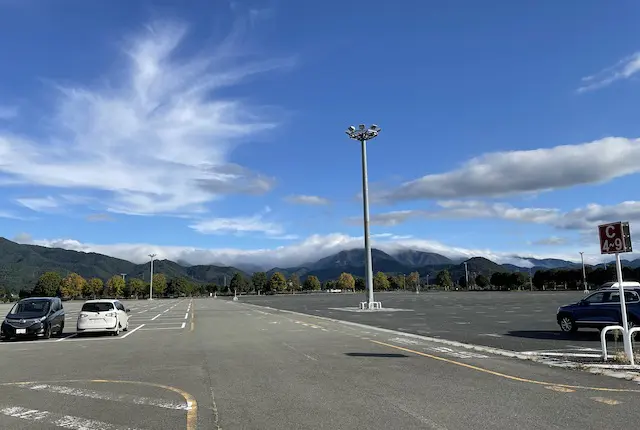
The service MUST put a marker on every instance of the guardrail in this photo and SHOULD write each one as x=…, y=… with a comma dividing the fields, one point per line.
x=603, y=340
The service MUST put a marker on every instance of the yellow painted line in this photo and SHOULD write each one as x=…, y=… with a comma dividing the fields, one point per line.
x=606, y=401
x=560, y=389
x=192, y=405
x=193, y=316
x=504, y=375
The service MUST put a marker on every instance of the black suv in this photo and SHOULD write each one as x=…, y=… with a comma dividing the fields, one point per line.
x=34, y=317
x=600, y=309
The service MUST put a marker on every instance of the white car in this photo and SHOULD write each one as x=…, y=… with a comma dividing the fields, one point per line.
x=103, y=315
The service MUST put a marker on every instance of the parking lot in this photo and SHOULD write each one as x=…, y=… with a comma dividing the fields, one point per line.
x=520, y=321
x=218, y=364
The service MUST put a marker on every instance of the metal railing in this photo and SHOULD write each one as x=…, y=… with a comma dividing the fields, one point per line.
x=629, y=333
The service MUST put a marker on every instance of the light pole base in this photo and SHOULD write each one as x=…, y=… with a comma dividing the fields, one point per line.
x=370, y=305
x=235, y=299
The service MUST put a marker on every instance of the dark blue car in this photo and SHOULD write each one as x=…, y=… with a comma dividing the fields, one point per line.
x=600, y=309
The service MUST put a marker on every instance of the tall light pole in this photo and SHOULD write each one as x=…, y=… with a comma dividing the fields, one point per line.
x=151, y=256
x=584, y=273
x=123, y=276
x=466, y=276
x=363, y=134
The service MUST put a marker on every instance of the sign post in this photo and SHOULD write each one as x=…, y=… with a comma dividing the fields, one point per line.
x=615, y=238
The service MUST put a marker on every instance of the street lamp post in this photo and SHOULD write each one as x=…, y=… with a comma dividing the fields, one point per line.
x=152, y=256
x=363, y=134
x=584, y=273
x=466, y=276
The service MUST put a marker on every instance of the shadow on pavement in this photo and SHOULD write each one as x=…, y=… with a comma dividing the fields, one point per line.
x=375, y=355
x=586, y=336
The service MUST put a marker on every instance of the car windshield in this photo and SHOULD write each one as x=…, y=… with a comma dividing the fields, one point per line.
x=97, y=307
x=30, y=308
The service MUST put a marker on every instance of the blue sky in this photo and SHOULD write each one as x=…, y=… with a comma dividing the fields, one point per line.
x=213, y=131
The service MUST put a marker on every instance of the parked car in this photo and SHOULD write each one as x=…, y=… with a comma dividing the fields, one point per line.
x=600, y=309
x=103, y=315
x=34, y=317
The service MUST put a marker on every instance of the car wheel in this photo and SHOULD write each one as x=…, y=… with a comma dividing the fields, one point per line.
x=47, y=332
x=61, y=329
x=126, y=328
x=116, y=332
x=567, y=324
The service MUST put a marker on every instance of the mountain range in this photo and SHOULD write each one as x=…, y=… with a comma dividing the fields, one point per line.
x=21, y=265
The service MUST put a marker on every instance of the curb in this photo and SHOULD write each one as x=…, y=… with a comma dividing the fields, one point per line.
x=614, y=371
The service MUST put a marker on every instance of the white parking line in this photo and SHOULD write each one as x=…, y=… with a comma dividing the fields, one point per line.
x=100, y=395
x=132, y=331
x=187, y=314
x=161, y=328
x=75, y=334
x=63, y=421
x=154, y=318
x=184, y=323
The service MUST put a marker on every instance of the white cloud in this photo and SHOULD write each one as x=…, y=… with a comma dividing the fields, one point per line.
x=516, y=172
x=8, y=112
x=39, y=204
x=586, y=218
x=623, y=69
x=158, y=141
x=309, y=249
x=307, y=200
x=242, y=225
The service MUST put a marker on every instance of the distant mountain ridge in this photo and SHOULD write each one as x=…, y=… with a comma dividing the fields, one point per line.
x=21, y=265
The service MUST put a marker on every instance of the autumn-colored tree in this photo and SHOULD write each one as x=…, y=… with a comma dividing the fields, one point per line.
x=277, y=282
x=380, y=281
x=93, y=288
x=72, y=286
x=413, y=280
x=159, y=284
x=346, y=281
x=115, y=285
x=312, y=283
x=293, y=283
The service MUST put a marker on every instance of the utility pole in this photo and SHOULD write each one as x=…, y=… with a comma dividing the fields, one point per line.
x=152, y=256
x=530, y=279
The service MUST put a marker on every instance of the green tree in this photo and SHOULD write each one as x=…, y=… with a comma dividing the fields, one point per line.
x=277, y=282
x=397, y=282
x=462, y=281
x=72, y=286
x=482, y=281
x=137, y=287
x=94, y=287
x=115, y=286
x=293, y=283
x=48, y=285
x=259, y=281
x=238, y=283
x=159, y=284
x=360, y=283
x=498, y=279
x=443, y=279
x=312, y=283
x=330, y=285
x=517, y=279
x=346, y=281
x=178, y=286
x=381, y=282
x=212, y=287
x=23, y=293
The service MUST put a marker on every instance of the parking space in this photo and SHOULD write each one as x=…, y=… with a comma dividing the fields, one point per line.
x=96, y=405
x=145, y=317
x=520, y=321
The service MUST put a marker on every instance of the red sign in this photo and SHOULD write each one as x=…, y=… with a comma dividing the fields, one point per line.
x=614, y=238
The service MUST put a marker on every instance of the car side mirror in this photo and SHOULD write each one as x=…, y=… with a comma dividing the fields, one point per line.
x=127, y=310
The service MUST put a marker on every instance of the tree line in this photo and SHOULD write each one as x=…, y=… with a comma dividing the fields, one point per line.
x=75, y=286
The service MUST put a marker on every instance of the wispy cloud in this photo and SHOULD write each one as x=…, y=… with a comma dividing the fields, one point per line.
x=301, y=199
x=158, y=141
x=8, y=112
x=518, y=172
x=99, y=217
x=39, y=204
x=550, y=241
x=623, y=69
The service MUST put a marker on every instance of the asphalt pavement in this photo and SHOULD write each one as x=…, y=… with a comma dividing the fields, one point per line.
x=515, y=320
x=218, y=364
